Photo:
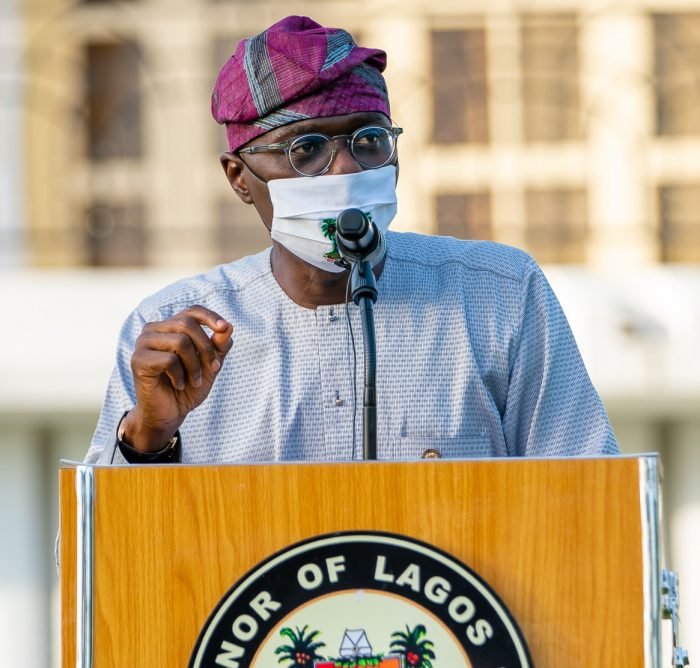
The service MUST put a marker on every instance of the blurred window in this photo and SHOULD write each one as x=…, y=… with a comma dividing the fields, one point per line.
x=679, y=214
x=550, y=57
x=239, y=230
x=113, y=100
x=465, y=215
x=460, y=91
x=115, y=235
x=556, y=225
x=677, y=63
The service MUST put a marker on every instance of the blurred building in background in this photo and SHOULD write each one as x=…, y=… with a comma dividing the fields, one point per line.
x=570, y=129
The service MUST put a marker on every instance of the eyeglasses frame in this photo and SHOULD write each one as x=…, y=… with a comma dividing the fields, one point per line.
x=284, y=146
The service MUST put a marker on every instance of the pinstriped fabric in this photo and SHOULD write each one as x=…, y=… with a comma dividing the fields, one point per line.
x=261, y=78
x=372, y=77
x=475, y=359
x=340, y=44
x=281, y=117
x=299, y=67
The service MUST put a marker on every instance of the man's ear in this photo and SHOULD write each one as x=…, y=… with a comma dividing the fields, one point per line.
x=233, y=167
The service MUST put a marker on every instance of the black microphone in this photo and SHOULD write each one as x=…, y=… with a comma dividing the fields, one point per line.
x=361, y=246
x=357, y=237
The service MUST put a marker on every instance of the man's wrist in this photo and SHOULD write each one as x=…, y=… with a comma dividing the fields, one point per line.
x=134, y=434
x=170, y=452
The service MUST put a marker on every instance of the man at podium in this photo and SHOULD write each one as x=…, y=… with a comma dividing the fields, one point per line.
x=260, y=360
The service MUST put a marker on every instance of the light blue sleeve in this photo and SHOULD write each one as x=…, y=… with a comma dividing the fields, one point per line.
x=552, y=407
x=120, y=396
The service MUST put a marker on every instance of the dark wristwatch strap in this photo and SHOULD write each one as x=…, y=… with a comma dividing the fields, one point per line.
x=170, y=454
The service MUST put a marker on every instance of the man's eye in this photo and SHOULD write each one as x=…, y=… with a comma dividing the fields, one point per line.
x=370, y=137
x=307, y=146
x=367, y=138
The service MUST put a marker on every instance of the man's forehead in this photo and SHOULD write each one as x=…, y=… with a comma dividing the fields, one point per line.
x=329, y=125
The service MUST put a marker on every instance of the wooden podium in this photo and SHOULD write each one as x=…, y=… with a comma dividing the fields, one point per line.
x=569, y=546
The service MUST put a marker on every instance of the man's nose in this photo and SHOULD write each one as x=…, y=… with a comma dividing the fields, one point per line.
x=343, y=161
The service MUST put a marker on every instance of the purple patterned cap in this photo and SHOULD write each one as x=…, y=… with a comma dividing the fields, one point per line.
x=296, y=69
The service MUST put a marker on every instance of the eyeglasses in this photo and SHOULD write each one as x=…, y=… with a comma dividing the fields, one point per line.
x=312, y=154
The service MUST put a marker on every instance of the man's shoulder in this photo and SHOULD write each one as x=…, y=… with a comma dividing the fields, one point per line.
x=214, y=287
x=472, y=255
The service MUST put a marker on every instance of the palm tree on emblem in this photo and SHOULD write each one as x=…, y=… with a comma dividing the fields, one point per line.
x=302, y=651
x=416, y=650
x=328, y=227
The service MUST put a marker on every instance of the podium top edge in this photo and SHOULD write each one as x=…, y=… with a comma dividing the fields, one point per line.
x=70, y=464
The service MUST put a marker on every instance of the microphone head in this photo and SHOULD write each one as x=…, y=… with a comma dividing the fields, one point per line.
x=352, y=224
x=358, y=238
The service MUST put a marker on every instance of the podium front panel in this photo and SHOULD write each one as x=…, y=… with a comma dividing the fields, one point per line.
x=565, y=543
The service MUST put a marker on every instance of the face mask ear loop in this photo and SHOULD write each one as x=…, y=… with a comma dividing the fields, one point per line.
x=354, y=364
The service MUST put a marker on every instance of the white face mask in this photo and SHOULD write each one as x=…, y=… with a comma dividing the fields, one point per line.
x=305, y=210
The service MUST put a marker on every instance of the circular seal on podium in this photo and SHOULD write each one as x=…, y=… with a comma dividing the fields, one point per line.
x=359, y=599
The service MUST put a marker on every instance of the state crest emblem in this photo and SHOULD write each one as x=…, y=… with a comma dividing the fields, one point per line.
x=359, y=600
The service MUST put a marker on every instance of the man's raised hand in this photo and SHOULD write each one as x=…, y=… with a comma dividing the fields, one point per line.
x=174, y=366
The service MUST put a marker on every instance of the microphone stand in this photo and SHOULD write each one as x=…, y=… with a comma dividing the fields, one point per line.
x=357, y=238
x=364, y=294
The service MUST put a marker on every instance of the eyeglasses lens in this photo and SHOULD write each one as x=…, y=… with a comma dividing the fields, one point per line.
x=372, y=147
x=310, y=154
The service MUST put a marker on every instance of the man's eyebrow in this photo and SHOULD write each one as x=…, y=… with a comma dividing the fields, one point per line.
x=289, y=132
x=310, y=126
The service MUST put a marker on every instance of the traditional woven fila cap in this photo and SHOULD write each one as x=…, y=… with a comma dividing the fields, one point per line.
x=296, y=69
